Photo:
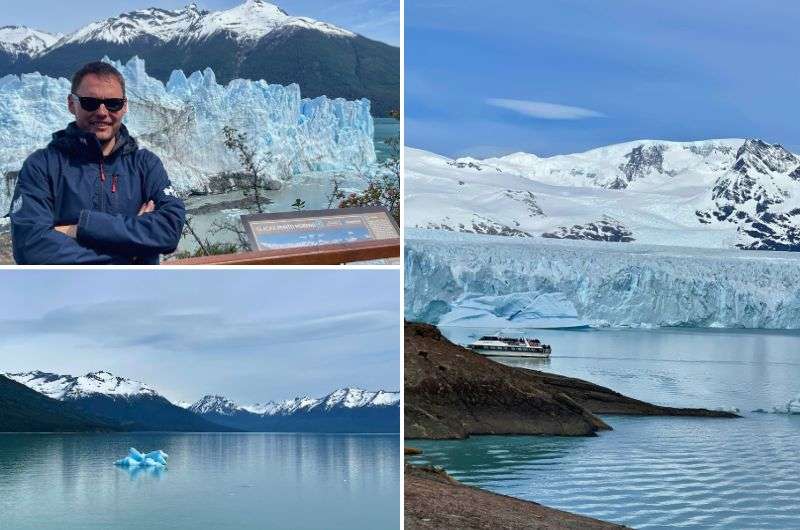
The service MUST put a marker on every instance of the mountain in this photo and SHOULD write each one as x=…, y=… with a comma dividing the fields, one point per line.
x=67, y=387
x=25, y=410
x=134, y=405
x=345, y=410
x=729, y=193
x=254, y=40
x=18, y=43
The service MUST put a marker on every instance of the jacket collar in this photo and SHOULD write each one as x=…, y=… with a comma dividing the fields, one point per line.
x=74, y=141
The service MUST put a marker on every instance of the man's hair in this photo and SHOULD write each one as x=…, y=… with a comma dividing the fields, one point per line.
x=99, y=69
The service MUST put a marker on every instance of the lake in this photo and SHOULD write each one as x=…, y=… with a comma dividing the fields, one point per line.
x=385, y=129
x=657, y=472
x=214, y=480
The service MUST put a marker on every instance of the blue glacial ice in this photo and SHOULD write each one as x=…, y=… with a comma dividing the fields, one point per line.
x=514, y=310
x=154, y=459
x=182, y=121
x=495, y=281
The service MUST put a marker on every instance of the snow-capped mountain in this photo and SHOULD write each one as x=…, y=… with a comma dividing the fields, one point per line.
x=67, y=387
x=273, y=408
x=249, y=21
x=266, y=42
x=217, y=404
x=291, y=133
x=714, y=193
x=344, y=410
x=25, y=410
x=346, y=398
x=22, y=41
x=130, y=404
x=350, y=398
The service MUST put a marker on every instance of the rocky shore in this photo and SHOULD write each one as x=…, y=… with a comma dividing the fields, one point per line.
x=452, y=392
x=433, y=499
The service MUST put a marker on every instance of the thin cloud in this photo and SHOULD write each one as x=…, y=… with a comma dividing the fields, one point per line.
x=543, y=110
x=132, y=324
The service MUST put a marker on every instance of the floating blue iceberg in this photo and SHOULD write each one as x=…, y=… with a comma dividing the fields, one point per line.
x=154, y=459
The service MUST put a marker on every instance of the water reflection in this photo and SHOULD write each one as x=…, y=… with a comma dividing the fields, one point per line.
x=137, y=472
x=228, y=480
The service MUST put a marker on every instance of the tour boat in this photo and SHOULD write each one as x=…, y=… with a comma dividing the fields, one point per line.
x=501, y=345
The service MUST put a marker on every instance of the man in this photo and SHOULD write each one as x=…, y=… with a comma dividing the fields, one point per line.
x=92, y=196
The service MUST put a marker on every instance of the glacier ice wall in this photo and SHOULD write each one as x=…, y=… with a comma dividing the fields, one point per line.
x=607, y=284
x=182, y=122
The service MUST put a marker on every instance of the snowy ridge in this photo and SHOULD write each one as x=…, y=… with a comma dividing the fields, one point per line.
x=65, y=387
x=710, y=194
x=600, y=284
x=292, y=135
x=347, y=398
x=216, y=404
x=636, y=164
x=19, y=40
x=249, y=21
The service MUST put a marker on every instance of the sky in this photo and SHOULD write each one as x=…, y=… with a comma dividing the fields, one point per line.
x=376, y=19
x=250, y=335
x=551, y=77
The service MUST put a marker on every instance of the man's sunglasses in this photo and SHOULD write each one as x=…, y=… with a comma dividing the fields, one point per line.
x=92, y=104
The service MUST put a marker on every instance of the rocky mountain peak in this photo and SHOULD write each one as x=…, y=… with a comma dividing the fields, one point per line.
x=21, y=40
x=642, y=160
x=764, y=158
x=216, y=404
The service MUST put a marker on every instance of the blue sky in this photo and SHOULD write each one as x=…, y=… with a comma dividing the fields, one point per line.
x=563, y=76
x=376, y=19
x=250, y=335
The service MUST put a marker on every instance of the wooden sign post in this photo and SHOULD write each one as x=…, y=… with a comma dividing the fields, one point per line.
x=315, y=237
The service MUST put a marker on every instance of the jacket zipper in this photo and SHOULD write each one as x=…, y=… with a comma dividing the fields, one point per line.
x=102, y=183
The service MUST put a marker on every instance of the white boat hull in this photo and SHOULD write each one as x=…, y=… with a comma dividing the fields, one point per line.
x=504, y=353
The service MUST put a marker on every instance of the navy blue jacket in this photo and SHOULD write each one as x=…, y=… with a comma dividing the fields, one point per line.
x=71, y=183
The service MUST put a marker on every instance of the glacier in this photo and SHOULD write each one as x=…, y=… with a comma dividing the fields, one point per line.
x=181, y=121
x=471, y=279
x=136, y=459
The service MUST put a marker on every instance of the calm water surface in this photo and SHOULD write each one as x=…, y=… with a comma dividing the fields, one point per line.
x=385, y=128
x=658, y=472
x=214, y=481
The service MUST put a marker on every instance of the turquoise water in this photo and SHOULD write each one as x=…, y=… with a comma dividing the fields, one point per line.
x=385, y=128
x=214, y=481
x=658, y=472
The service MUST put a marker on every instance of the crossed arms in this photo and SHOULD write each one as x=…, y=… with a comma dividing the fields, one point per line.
x=98, y=237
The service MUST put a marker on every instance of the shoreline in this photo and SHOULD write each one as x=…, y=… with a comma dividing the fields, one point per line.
x=454, y=393
x=435, y=500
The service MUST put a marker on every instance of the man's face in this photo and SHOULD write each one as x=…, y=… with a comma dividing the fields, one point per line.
x=101, y=122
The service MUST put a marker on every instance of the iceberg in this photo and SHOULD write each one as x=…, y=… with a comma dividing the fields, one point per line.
x=154, y=459
x=182, y=122
x=459, y=279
